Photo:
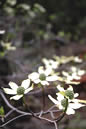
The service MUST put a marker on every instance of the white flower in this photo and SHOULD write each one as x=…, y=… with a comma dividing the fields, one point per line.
x=78, y=71
x=42, y=76
x=64, y=59
x=77, y=59
x=2, y=31
x=71, y=76
x=50, y=63
x=18, y=91
x=61, y=104
x=74, y=74
x=69, y=93
x=67, y=98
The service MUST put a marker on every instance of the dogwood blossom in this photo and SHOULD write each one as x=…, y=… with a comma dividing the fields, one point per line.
x=61, y=104
x=74, y=74
x=18, y=91
x=50, y=63
x=66, y=99
x=78, y=71
x=42, y=76
x=69, y=93
x=77, y=59
x=64, y=59
x=2, y=31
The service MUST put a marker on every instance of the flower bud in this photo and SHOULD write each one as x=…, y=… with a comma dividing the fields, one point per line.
x=63, y=102
x=69, y=94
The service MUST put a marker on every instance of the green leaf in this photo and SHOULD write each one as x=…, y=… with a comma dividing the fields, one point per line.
x=2, y=112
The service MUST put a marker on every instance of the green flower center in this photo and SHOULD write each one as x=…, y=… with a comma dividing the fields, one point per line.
x=69, y=94
x=50, y=63
x=20, y=90
x=42, y=77
x=63, y=102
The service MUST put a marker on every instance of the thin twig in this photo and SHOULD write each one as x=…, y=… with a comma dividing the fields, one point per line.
x=36, y=115
x=13, y=120
x=55, y=125
x=6, y=115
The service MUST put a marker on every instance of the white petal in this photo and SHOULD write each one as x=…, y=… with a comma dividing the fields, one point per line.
x=13, y=85
x=65, y=73
x=33, y=76
x=27, y=90
x=2, y=31
x=76, y=105
x=48, y=71
x=53, y=64
x=81, y=72
x=75, y=100
x=72, y=82
x=60, y=97
x=70, y=111
x=76, y=95
x=37, y=81
x=70, y=77
x=60, y=106
x=26, y=83
x=44, y=83
x=53, y=100
x=75, y=76
x=70, y=88
x=16, y=97
x=77, y=59
x=52, y=78
x=45, y=61
x=9, y=91
x=60, y=88
x=74, y=69
x=41, y=70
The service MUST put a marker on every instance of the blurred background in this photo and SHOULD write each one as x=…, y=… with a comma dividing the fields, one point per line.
x=33, y=29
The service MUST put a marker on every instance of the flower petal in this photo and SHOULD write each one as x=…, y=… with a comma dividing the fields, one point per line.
x=76, y=95
x=70, y=111
x=52, y=78
x=44, y=83
x=70, y=88
x=53, y=100
x=60, y=106
x=60, y=88
x=26, y=83
x=37, y=81
x=27, y=90
x=33, y=76
x=65, y=73
x=2, y=31
x=60, y=97
x=76, y=105
x=16, y=97
x=41, y=70
x=48, y=71
x=9, y=91
x=13, y=85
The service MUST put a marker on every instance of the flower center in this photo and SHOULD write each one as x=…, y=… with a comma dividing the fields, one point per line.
x=20, y=90
x=42, y=77
x=63, y=102
x=50, y=63
x=69, y=94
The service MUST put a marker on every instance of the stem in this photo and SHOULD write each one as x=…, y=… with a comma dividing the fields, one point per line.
x=66, y=105
x=43, y=93
x=23, y=100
